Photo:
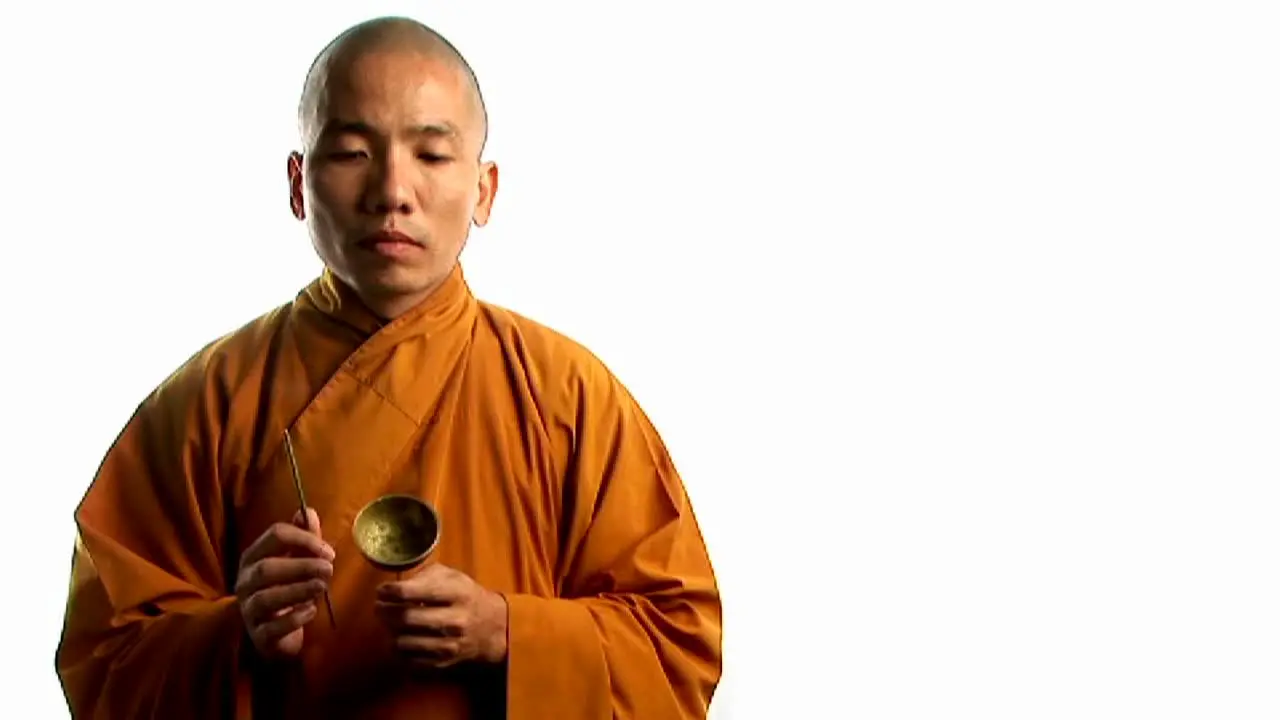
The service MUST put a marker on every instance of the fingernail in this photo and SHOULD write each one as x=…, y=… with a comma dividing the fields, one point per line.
x=329, y=553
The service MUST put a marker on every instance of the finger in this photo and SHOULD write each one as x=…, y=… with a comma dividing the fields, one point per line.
x=429, y=649
x=425, y=665
x=312, y=523
x=267, y=603
x=282, y=538
x=273, y=630
x=436, y=585
x=275, y=571
x=416, y=620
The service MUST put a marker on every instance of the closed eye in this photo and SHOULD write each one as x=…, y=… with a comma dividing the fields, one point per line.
x=433, y=158
x=346, y=155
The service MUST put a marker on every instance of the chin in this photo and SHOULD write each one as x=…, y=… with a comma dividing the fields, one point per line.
x=397, y=280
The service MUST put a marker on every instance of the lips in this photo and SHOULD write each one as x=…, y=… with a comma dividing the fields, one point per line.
x=389, y=237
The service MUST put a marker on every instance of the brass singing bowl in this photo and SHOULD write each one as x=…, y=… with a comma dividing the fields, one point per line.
x=396, y=532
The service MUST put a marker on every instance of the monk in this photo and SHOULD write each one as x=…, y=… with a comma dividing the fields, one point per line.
x=570, y=579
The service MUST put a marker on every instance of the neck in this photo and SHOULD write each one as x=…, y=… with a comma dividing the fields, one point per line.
x=388, y=307
x=371, y=312
x=446, y=310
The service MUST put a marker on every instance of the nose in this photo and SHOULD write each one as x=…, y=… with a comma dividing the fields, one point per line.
x=390, y=188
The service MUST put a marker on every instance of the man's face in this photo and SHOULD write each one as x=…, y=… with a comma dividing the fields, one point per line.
x=391, y=180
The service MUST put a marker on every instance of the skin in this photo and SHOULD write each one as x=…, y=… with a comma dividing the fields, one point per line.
x=393, y=128
x=282, y=575
x=438, y=617
x=441, y=617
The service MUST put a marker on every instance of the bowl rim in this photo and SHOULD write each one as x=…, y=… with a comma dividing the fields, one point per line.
x=431, y=510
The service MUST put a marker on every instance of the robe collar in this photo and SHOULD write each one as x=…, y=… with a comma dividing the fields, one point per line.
x=452, y=306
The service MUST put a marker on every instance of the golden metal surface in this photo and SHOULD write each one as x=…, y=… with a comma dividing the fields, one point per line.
x=396, y=532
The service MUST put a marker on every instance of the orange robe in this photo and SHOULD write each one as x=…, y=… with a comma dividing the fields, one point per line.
x=552, y=486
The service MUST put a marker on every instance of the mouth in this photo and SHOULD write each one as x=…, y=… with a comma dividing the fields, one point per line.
x=393, y=246
x=388, y=238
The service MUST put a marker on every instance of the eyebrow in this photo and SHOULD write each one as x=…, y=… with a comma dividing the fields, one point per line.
x=331, y=128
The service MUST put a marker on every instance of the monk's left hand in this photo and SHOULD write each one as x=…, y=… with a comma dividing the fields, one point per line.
x=441, y=617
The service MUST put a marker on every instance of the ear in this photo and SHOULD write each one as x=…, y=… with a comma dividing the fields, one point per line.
x=488, y=189
x=295, y=186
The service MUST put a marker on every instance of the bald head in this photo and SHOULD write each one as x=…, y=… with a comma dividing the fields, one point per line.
x=385, y=35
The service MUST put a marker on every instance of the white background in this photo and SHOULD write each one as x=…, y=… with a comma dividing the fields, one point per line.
x=959, y=318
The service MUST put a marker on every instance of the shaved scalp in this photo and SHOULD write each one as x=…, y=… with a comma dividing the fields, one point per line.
x=385, y=34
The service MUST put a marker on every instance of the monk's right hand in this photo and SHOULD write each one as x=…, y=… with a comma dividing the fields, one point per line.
x=282, y=575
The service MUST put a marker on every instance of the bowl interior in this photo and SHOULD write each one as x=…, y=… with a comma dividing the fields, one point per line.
x=396, y=530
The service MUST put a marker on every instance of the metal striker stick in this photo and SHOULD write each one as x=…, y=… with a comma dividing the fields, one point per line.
x=302, y=505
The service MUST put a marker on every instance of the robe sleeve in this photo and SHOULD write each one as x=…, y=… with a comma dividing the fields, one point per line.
x=150, y=629
x=636, y=629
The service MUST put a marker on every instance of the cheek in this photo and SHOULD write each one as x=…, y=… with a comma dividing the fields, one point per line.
x=325, y=228
x=326, y=201
x=324, y=190
x=452, y=197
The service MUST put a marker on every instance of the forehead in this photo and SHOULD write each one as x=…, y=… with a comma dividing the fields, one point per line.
x=388, y=90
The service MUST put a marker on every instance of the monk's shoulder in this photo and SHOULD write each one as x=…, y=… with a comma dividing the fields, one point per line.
x=552, y=359
x=223, y=364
